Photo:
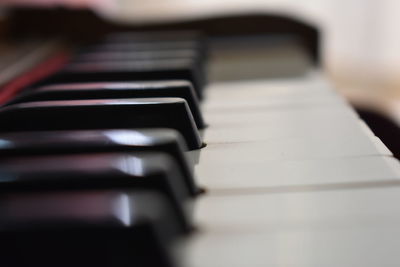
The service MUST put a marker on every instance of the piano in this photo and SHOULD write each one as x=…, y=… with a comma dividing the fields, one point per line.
x=211, y=143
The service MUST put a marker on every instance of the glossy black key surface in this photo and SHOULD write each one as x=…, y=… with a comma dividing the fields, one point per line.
x=145, y=45
x=165, y=40
x=87, y=229
x=155, y=36
x=153, y=171
x=117, y=71
x=153, y=41
x=136, y=55
x=167, y=141
x=107, y=90
x=102, y=114
x=150, y=55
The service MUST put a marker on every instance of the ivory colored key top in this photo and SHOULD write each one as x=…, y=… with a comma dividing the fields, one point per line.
x=102, y=114
x=299, y=174
x=297, y=228
x=92, y=229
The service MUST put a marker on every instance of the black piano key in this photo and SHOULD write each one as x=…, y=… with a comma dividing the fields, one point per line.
x=153, y=41
x=152, y=171
x=145, y=45
x=107, y=90
x=102, y=114
x=136, y=55
x=132, y=56
x=150, y=55
x=155, y=36
x=117, y=71
x=167, y=141
x=164, y=39
x=91, y=229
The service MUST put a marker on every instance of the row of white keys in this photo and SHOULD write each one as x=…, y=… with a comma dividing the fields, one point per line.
x=293, y=180
x=248, y=113
x=344, y=228
x=279, y=124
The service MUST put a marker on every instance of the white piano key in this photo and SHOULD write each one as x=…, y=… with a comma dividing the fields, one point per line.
x=310, y=84
x=291, y=148
x=380, y=146
x=250, y=117
x=346, y=246
x=307, y=229
x=264, y=89
x=257, y=126
x=241, y=102
x=250, y=98
x=365, y=128
x=291, y=174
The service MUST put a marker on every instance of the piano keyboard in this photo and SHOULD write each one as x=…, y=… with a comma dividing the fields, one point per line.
x=263, y=172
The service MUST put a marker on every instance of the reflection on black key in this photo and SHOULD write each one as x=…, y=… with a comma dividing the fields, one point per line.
x=91, y=229
x=167, y=141
x=102, y=114
x=177, y=69
x=154, y=171
x=107, y=90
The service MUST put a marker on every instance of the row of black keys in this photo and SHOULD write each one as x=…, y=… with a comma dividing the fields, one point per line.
x=92, y=163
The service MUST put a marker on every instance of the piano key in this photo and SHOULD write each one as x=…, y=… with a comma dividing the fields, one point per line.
x=145, y=45
x=151, y=171
x=99, y=56
x=269, y=123
x=299, y=88
x=235, y=102
x=167, y=141
x=301, y=174
x=116, y=71
x=295, y=148
x=102, y=114
x=104, y=228
x=107, y=90
x=267, y=114
x=236, y=93
x=141, y=56
x=155, y=36
x=279, y=124
x=297, y=228
x=151, y=53
x=271, y=95
x=158, y=40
